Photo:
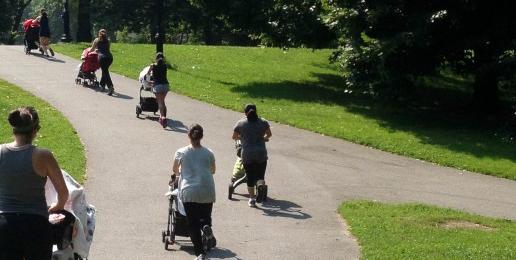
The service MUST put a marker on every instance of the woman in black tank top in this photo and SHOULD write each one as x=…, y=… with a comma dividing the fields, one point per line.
x=101, y=45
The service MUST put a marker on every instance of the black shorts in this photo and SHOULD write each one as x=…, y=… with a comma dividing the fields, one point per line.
x=25, y=236
x=255, y=172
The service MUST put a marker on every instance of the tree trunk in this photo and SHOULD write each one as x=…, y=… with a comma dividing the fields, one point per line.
x=83, y=22
x=486, y=99
x=17, y=20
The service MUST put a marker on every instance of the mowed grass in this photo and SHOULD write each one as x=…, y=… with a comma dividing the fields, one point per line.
x=415, y=231
x=56, y=133
x=300, y=88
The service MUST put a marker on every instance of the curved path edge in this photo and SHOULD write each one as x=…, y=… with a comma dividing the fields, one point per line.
x=309, y=175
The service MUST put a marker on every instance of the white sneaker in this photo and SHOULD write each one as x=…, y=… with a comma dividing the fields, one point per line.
x=202, y=257
x=251, y=203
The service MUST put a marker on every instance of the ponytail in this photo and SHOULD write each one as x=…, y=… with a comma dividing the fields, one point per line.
x=24, y=121
x=250, y=112
x=195, y=133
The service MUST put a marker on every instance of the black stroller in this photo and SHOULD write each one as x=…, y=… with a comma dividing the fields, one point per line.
x=239, y=175
x=177, y=224
x=146, y=104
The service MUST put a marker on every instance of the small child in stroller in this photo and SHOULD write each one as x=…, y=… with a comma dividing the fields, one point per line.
x=87, y=68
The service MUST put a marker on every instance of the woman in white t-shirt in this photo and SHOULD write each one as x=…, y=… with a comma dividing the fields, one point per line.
x=195, y=165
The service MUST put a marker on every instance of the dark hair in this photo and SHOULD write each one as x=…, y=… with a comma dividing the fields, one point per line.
x=251, y=112
x=24, y=121
x=195, y=133
x=160, y=62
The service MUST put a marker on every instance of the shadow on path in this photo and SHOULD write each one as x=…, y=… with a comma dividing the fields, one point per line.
x=172, y=125
x=121, y=96
x=215, y=253
x=283, y=208
x=53, y=59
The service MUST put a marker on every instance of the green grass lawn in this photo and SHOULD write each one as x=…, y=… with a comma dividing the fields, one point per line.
x=56, y=133
x=415, y=231
x=300, y=88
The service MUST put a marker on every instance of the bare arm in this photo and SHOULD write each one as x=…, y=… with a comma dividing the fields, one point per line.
x=236, y=135
x=94, y=44
x=213, y=167
x=50, y=168
x=175, y=167
x=268, y=134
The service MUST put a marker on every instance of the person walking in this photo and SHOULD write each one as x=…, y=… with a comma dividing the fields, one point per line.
x=102, y=46
x=253, y=132
x=160, y=86
x=24, y=168
x=195, y=166
x=44, y=33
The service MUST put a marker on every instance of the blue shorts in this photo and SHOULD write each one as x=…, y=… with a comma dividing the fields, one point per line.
x=160, y=88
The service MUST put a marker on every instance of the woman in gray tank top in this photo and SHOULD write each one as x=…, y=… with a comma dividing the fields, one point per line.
x=24, y=168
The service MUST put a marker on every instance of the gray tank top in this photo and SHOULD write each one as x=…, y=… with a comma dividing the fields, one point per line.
x=22, y=190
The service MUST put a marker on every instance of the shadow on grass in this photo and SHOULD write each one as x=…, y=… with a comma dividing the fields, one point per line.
x=436, y=111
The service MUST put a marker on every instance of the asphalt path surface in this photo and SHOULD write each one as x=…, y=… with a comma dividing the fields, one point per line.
x=309, y=175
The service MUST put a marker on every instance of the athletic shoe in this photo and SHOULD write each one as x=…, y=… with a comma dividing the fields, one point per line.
x=261, y=192
x=201, y=257
x=251, y=203
x=212, y=242
x=111, y=90
x=164, y=122
x=51, y=52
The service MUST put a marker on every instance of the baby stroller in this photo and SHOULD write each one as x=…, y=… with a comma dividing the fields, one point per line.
x=146, y=104
x=72, y=228
x=177, y=224
x=239, y=176
x=31, y=36
x=87, y=68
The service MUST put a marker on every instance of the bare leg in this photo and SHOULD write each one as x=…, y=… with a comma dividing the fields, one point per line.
x=251, y=192
x=160, y=98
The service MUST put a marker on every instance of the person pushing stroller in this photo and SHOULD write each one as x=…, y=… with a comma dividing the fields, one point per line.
x=253, y=132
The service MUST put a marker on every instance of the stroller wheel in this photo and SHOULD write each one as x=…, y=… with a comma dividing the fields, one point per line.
x=167, y=243
x=163, y=236
x=231, y=189
x=138, y=111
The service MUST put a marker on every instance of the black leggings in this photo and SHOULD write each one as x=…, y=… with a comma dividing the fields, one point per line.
x=198, y=215
x=105, y=61
x=25, y=236
x=255, y=172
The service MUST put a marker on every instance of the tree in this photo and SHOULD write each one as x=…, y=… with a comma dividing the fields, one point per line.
x=84, y=26
x=10, y=18
x=387, y=43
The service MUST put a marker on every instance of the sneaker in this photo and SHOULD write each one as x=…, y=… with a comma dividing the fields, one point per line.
x=164, y=122
x=261, y=191
x=51, y=52
x=251, y=203
x=212, y=242
x=111, y=90
x=201, y=257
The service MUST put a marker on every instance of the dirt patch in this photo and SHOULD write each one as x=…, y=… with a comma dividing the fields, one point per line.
x=465, y=225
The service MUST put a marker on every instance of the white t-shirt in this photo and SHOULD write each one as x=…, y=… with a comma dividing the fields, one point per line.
x=196, y=180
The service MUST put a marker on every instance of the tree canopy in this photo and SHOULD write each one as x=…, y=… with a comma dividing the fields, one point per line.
x=385, y=44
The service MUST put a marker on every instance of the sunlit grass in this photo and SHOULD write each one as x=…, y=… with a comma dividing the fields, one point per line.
x=56, y=133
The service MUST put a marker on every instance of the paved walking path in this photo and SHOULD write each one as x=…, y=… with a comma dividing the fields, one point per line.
x=309, y=175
